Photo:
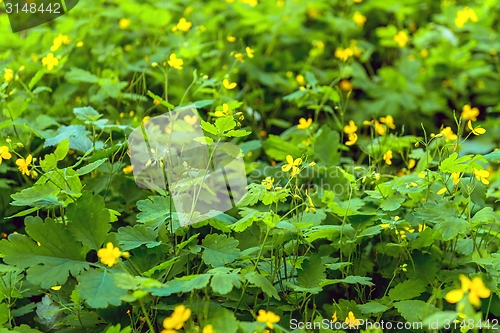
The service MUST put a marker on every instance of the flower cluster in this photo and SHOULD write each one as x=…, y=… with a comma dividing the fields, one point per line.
x=177, y=319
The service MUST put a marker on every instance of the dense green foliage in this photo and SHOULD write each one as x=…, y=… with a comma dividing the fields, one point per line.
x=369, y=134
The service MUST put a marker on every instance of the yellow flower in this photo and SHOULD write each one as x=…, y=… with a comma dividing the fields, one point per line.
x=334, y=317
x=381, y=129
x=124, y=23
x=225, y=111
x=359, y=19
x=23, y=164
x=300, y=80
x=175, y=62
x=401, y=38
x=441, y=191
x=310, y=206
x=456, y=177
x=464, y=15
x=293, y=165
x=304, y=124
x=177, y=319
x=477, y=130
x=343, y=54
x=351, y=128
x=411, y=163
x=403, y=267
x=268, y=182
x=448, y=133
x=352, y=138
x=109, y=255
x=388, y=157
x=249, y=52
x=183, y=25
x=421, y=227
x=252, y=3
x=269, y=318
x=208, y=329
x=128, y=169
x=239, y=57
x=482, y=175
x=346, y=85
x=475, y=290
x=8, y=74
x=389, y=121
x=50, y=61
x=231, y=39
x=56, y=288
x=60, y=40
x=469, y=113
x=352, y=321
x=229, y=85
x=4, y=153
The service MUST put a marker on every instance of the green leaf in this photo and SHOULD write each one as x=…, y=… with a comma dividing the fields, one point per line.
x=224, y=283
x=161, y=267
x=87, y=113
x=439, y=319
x=326, y=146
x=372, y=307
x=76, y=75
x=89, y=220
x=454, y=164
x=262, y=283
x=277, y=148
x=62, y=150
x=351, y=279
x=98, y=289
x=255, y=193
x=43, y=196
x=219, y=250
x=392, y=203
x=132, y=237
x=203, y=103
x=485, y=215
x=407, y=290
x=412, y=310
x=493, y=156
x=154, y=211
x=117, y=329
x=90, y=167
x=231, y=149
x=237, y=133
x=4, y=314
x=161, y=100
x=224, y=124
x=312, y=274
x=50, y=264
x=222, y=320
x=209, y=128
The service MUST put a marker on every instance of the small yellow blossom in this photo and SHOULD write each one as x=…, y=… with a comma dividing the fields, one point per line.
x=8, y=74
x=226, y=111
x=474, y=289
x=269, y=318
x=229, y=85
x=343, y=54
x=359, y=19
x=208, y=329
x=345, y=85
x=124, y=23
x=469, y=113
x=249, y=52
x=334, y=317
x=175, y=62
x=231, y=39
x=4, y=153
x=350, y=128
x=381, y=129
x=23, y=164
x=464, y=15
x=477, y=130
x=389, y=121
x=403, y=267
x=60, y=40
x=421, y=227
x=177, y=319
x=411, y=163
x=239, y=57
x=109, y=254
x=252, y=3
x=456, y=177
x=304, y=124
x=128, y=169
x=269, y=181
x=50, y=61
x=351, y=139
x=352, y=321
x=312, y=164
x=292, y=165
x=183, y=25
x=388, y=157
x=401, y=38
x=448, y=133
x=300, y=80
x=79, y=44
x=482, y=175
x=56, y=288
